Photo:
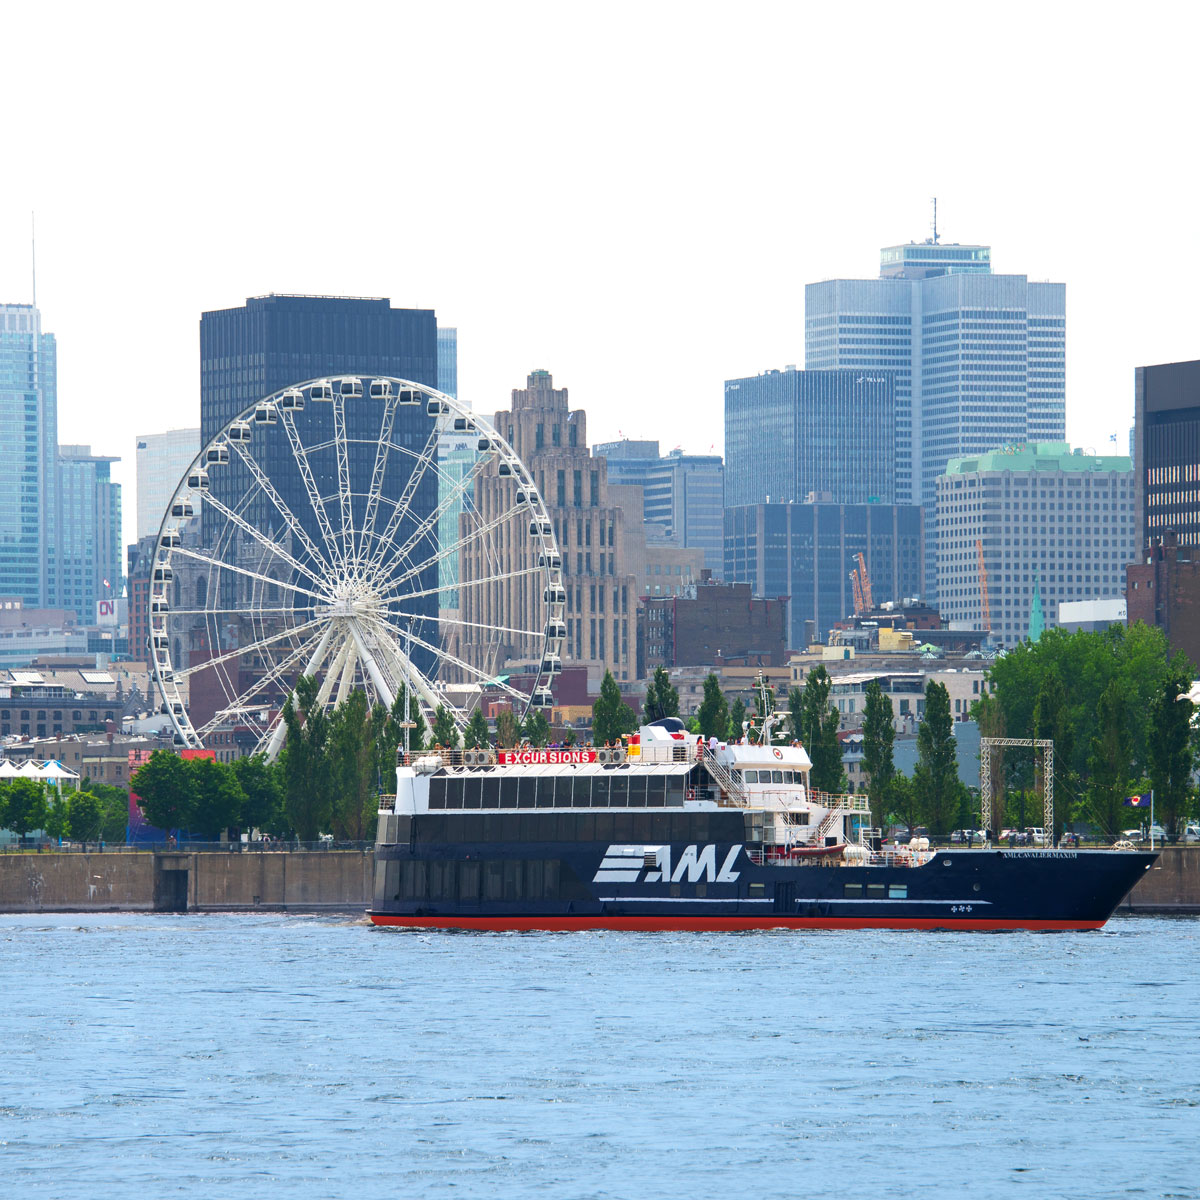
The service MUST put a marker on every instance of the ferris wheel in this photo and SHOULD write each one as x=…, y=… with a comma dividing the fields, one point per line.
x=371, y=533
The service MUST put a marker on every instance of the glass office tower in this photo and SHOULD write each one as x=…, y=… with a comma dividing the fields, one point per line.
x=28, y=476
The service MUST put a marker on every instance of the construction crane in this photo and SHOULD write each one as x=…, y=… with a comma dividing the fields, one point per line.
x=865, y=580
x=858, y=596
x=983, y=586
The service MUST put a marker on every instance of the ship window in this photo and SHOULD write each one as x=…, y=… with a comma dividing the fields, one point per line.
x=623, y=827
x=604, y=827
x=618, y=792
x=529, y=828
x=535, y=878
x=875, y=891
x=698, y=827
x=468, y=880
x=391, y=878
x=898, y=891
x=598, y=790
x=470, y=786
x=491, y=792
x=655, y=791
x=758, y=889
x=510, y=792
x=636, y=785
x=674, y=790
x=550, y=890
x=437, y=793
x=776, y=776
x=545, y=791
x=751, y=776
x=702, y=889
x=852, y=891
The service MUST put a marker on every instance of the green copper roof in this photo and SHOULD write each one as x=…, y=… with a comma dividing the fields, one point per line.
x=1039, y=456
x=1037, y=619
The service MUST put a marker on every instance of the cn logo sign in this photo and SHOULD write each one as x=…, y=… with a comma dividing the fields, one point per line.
x=652, y=864
x=106, y=612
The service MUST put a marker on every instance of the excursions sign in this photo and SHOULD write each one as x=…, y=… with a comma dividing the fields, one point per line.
x=546, y=756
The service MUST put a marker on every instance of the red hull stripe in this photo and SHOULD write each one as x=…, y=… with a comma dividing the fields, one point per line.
x=720, y=924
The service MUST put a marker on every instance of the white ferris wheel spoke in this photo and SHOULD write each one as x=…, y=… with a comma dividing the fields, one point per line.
x=427, y=455
x=462, y=585
x=272, y=494
x=257, y=535
x=217, y=564
x=445, y=551
x=349, y=553
x=444, y=619
x=405, y=670
x=232, y=612
x=250, y=648
x=279, y=732
x=381, y=459
x=272, y=675
x=310, y=486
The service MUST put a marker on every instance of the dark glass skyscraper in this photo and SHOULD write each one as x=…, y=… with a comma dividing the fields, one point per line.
x=1167, y=451
x=789, y=433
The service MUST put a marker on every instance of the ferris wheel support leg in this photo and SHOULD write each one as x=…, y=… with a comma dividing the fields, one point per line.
x=347, y=671
x=416, y=681
x=372, y=667
x=280, y=730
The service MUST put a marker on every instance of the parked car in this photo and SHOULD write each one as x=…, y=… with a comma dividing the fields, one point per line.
x=1037, y=836
x=1191, y=833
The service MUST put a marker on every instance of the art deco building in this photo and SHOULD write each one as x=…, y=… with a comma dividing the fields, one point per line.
x=601, y=548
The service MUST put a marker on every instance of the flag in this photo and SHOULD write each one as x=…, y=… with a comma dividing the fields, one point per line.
x=1142, y=801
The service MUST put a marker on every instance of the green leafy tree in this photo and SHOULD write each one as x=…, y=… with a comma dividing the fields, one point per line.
x=445, y=731
x=85, y=817
x=737, y=718
x=384, y=739
x=989, y=714
x=352, y=769
x=1171, y=747
x=1110, y=757
x=263, y=789
x=1052, y=720
x=477, y=736
x=693, y=724
x=902, y=800
x=418, y=731
x=662, y=699
x=879, y=736
x=27, y=808
x=508, y=729
x=714, y=712
x=307, y=779
x=165, y=791
x=58, y=819
x=815, y=723
x=536, y=729
x=936, y=775
x=611, y=716
x=570, y=738
x=217, y=796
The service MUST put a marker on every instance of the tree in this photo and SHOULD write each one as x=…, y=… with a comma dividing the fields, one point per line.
x=714, y=712
x=936, y=775
x=1110, y=757
x=508, y=729
x=114, y=810
x=1171, y=746
x=263, y=792
x=1052, y=720
x=352, y=769
x=901, y=800
x=536, y=729
x=57, y=822
x=879, y=735
x=26, y=806
x=989, y=715
x=662, y=699
x=418, y=730
x=307, y=781
x=445, y=731
x=611, y=716
x=737, y=718
x=164, y=788
x=85, y=817
x=815, y=724
x=477, y=734
x=217, y=796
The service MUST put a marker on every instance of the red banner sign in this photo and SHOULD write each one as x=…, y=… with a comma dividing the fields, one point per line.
x=532, y=757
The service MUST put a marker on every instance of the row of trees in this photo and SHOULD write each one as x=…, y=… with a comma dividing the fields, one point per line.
x=1116, y=705
x=94, y=812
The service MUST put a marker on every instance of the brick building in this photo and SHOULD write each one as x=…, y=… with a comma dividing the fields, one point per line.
x=1163, y=589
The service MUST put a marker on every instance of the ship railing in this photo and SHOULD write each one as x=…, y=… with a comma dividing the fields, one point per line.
x=488, y=756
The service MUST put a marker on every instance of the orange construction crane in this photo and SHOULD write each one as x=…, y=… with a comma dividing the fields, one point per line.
x=858, y=596
x=983, y=587
x=865, y=580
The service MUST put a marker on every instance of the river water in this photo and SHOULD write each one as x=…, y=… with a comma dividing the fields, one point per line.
x=267, y=1056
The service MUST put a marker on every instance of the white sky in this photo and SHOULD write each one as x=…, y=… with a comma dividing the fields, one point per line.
x=630, y=195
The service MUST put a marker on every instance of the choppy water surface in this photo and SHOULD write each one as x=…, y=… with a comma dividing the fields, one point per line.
x=228, y=1056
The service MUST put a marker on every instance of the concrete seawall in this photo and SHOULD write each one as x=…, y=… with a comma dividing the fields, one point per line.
x=333, y=880
x=294, y=881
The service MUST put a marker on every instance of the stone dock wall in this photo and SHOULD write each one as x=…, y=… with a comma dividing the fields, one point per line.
x=332, y=880
x=292, y=881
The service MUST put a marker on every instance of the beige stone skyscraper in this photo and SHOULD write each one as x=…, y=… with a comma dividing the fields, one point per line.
x=601, y=550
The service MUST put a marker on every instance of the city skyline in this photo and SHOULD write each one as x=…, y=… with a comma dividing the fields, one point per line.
x=544, y=275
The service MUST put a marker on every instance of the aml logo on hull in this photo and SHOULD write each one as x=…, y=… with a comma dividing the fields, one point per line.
x=652, y=864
